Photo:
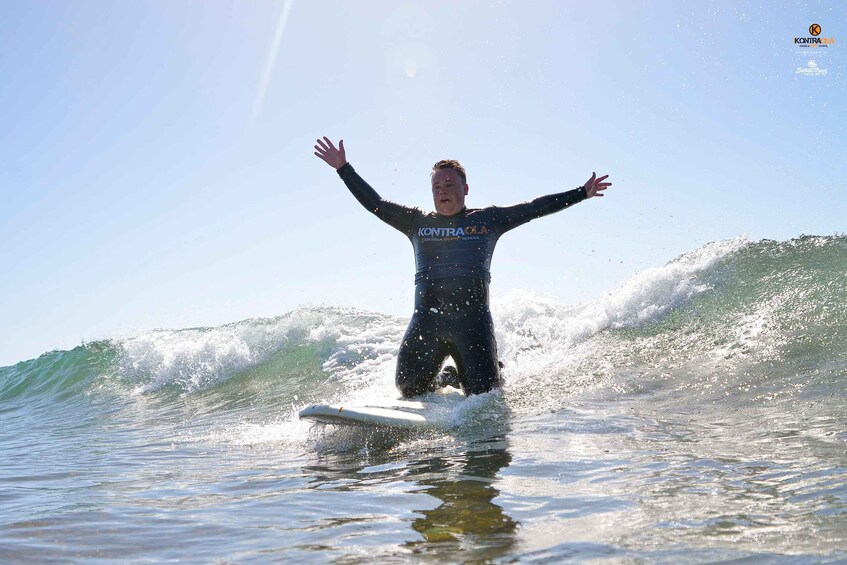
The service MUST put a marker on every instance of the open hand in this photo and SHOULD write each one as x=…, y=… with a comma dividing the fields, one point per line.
x=333, y=157
x=593, y=186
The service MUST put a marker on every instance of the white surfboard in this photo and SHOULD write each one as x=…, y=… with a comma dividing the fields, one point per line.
x=362, y=416
x=430, y=410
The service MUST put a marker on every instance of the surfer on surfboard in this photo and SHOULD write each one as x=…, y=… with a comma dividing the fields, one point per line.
x=453, y=248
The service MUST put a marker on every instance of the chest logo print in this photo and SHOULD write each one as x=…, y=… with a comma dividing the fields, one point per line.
x=452, y=232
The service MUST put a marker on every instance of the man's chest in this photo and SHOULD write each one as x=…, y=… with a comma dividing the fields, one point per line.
x=437, y=231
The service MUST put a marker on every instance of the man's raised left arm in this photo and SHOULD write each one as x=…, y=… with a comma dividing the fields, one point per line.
x=513, y=216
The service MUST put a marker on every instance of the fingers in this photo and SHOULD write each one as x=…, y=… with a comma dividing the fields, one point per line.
x=594, y=181
x=323, y=148
x=325, y=144
x=328, y=153
x=594, y=186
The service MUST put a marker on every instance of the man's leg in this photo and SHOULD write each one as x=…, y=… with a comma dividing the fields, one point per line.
x=420, y=357
x=476, y=354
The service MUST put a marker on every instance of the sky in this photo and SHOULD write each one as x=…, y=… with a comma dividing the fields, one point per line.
x=157, y=167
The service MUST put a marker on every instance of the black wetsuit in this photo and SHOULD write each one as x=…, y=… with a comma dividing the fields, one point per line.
x=453, y=256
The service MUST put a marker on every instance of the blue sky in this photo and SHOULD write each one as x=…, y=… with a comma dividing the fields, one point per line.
x=157, y=166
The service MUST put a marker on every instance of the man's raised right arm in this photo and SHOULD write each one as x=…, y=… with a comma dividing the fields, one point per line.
x=397, y=216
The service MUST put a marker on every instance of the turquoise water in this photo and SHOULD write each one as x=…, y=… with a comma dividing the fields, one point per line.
x=694, y=414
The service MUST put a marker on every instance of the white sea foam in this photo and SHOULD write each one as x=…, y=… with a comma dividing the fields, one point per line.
x=195, y=359
x=645, y=297
x=548, y=344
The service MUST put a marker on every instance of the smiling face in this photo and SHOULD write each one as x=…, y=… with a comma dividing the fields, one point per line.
x=448, y=191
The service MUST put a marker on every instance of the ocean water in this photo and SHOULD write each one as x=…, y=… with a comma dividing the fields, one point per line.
x=694, y=414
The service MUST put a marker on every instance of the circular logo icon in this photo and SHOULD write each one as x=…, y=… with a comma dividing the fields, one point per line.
x=815, y=29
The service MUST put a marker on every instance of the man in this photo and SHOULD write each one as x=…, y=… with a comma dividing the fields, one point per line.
x=453, y=248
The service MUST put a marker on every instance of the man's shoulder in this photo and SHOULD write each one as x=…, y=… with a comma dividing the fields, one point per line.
x=486, y=212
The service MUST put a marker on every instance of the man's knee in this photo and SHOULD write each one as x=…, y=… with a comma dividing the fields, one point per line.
x=413, y=378
x=480, y=385
x=412, y=385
